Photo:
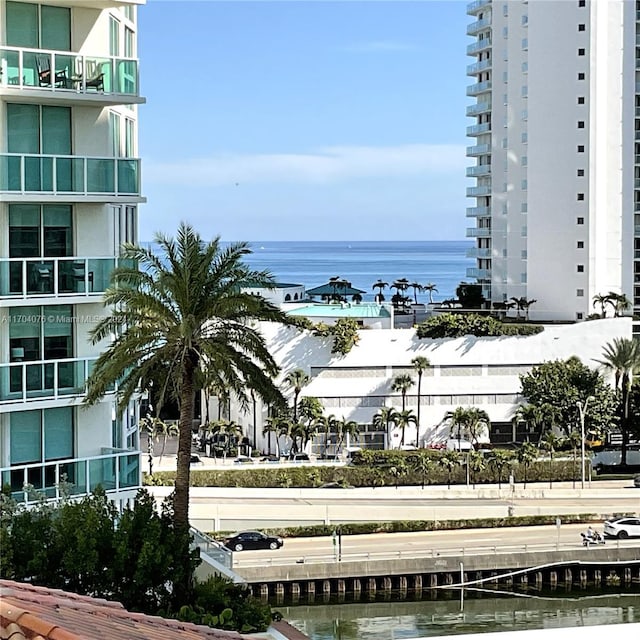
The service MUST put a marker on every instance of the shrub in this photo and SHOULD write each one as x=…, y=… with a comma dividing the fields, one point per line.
x=452, y=325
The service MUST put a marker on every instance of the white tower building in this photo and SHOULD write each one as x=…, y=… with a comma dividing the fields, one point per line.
x=69, y=190
x=557, y=150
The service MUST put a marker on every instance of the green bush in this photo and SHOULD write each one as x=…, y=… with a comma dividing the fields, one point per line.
x=454, y=325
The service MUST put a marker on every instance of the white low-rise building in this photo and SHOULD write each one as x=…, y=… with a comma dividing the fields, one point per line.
x=464, y=372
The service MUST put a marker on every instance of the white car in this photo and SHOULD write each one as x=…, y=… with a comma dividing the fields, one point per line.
x=626, y=527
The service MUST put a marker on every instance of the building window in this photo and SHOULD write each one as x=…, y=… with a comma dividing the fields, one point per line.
x=580, y=244
x=580, y=293
x=523, y=161
x=523, y=207
x=523, y=232
x=523, y=254
x=580, y=99
x=524, y=91
x=582, y=3
x=580, y=148
x=38, y=26
x=580, y=173
x=523, y=137
x=523, y=185
x=525, y=43
x=523, y=278
x=580, y=124
x=581, y=76
x=581, y=196
x=580, y=221
x=581, y=51
x=524, y=67
x=579, y=316
x=582, y=27
x=39, y=436
x=580, y=268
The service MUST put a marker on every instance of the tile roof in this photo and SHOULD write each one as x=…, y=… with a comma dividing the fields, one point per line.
x=40, y=613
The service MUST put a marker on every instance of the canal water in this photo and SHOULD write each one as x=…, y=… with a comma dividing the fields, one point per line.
x=452, y=613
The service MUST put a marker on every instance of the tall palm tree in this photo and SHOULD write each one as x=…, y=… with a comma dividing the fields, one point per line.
x=422, y=464
x=458, y=423
x=385, y=417
x=622, y=358
x=550, y=442
x=417, y=287
x=499, y=460
x=526, y=303
x=296, y=380
x=478, y=424
x=402, y=383
x=532, y=416
x=346, y=428
x=430, y=287
x=574, y=439
x=184, y=311
x=403, y=419
x=602, y=301
x=420, y=363
x=380, y=285
x=476, y=463
x=326, y=425
x=527, y=454
x=272, y=425
x=449, y=460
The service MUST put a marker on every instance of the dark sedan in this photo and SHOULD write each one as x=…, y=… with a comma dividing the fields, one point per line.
x=252, y=540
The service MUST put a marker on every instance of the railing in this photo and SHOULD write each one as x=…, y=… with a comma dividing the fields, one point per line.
x=478, y=129
x=26, y=277
x=44, y=379
x=474, y=7
x=478, y=46
x=479, y=107
x=478, y=170
x=482, y=190
x=478, y=232
x=73, y=476
x=72, y=72
x=65, y=175
x=478, y=149
x=478, y=212
x=476, y=252
x=479, y=87
x=473, y=272
x=477, y=67
x=212, y=548
x=478, y=25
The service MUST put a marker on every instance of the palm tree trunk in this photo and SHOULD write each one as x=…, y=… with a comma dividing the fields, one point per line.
x=624, y=424
x=418, y=423
x=181, y=494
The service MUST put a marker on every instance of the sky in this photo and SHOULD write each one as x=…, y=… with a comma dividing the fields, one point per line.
x=304, y=119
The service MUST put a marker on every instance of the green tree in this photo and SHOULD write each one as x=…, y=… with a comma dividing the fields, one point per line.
x=273, y=425
x=574, y=440
x=405, y=418
x=527, y=455
x=380, y=285
x=310, y=411
x=327, y=425
x=156, y=428
x=386, y=416
x=430, y=287
x=420, y=364
x=346, y=428
x=417, y=287
x=402, y=383
x=458, y=424
x=561, y=384
x=184, y=310
x=550, y=442
x=296, y=380
x=499, y=460
x=422, y=464
x=345, y=335
x=601, y=301
x=399, y=470
x=534, y=418
x=477, y=465
x=449, y=460
x=621, y=357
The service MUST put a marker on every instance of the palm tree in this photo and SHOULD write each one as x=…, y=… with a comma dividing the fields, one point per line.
x=422, y=464
x=386, y=416
x=398, y=470
x=326, y=425
x=622, y=304
x=296, y=380
x=525, y=305
x=601, y=300
x=402, y=383
x=403, y=420
x=345, y=428
x=420, y=363
x=527, y=454
x=517, y=303
x=476, y=463
x=575, y=441
x=622, y=358
x=499, y=460
x=550, y=442
x=430, y=288
x=449, y=460
x=532, y=416
x=417, y=287
x=458, y=423
x=380, y=284
x=184, y=311
x=478, y=423
x=272, y=425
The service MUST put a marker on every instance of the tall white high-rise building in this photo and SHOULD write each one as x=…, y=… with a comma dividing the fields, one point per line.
x=556, y=143
x=69, y=191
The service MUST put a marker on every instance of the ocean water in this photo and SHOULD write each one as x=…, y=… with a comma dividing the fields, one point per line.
x=443, y=263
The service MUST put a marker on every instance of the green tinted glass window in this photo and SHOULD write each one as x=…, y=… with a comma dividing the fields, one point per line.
x=22, y=25
x=58, y=433
x=23, y=133
x=56, y=130
x=55, y=28
x=26, y=439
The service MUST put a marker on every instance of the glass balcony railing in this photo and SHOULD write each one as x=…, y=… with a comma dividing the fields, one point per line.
x=476, y=232
x=474, y=272
x=477, y=252
x=479, y=129
x=44, y=379
x=114, y=472
x=479, y=149
x=56, y=71
x=478, y=212
x=478, y=170
x=66, y=175
x=479, y=87
x=477, y=67
x=22, y=277
x=480, y=107
x=477, y=5
x=478, y=46
x=482, y=190
x=478, y=25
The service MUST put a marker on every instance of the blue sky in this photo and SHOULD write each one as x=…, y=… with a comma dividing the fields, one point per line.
x=308, y=119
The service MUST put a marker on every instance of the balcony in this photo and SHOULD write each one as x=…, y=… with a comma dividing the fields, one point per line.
x=479, y=129
x=98, y=178
x=481, y=274
x=31, y=277
x=478, y=212
x=44, y=379
x=482, y=190
x=476, y=252
x=479, y=232
x=105, y=80
x=477, y=47
x=479, y=107
x=478, y=150
x=478, y=88
x=478, y=67
x=475, y=27
x=475, y=7
x=113, y=472
x=478, y=170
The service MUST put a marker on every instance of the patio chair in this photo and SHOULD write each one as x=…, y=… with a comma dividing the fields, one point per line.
x=43, y=66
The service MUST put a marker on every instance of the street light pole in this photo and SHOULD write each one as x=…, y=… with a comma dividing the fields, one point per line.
x=582, y=409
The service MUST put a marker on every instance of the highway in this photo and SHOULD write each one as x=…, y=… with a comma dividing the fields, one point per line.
x=459, y=542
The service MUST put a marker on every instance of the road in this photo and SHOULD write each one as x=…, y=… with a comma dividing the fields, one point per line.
x=427, y=543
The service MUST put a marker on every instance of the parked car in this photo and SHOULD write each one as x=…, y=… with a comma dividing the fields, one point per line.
x=252, y=540
x=626, y=527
